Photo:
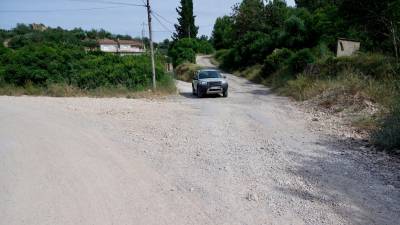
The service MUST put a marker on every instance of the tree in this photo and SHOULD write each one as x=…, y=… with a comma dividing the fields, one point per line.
x=183, y=50
x=378, y=20
x=249, y=16
x=222, y=36
x=315, y=4
x=186, y=27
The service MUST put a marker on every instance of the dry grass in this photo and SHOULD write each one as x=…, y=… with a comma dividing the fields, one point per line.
x=185, y=71
x=251, y=73
x=164, y=88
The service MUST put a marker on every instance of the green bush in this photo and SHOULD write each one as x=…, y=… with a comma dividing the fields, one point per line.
x=204, y=47
x=183, y=50
x=374, y=65
x=388, y=135
x=298, y=62
x=275, y=61
x=229, y=60
x=250, y=49
x=46, y=64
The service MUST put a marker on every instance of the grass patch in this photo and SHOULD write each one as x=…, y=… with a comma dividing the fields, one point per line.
x=252, y=73
x=365, y=123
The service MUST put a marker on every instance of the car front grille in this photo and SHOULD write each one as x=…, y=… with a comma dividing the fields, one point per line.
x=215, y=84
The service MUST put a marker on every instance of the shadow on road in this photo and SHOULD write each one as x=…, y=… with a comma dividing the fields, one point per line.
x=190, y=95
x=256, y=92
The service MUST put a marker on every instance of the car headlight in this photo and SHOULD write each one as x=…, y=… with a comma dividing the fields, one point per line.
x=224, y=82
x=203, y=82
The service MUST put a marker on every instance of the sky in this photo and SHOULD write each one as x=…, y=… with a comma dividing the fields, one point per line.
x=118, y=19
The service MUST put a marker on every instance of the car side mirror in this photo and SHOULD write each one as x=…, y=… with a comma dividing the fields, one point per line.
x=224, y=76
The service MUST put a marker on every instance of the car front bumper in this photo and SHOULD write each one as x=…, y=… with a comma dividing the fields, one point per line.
x=206, y=89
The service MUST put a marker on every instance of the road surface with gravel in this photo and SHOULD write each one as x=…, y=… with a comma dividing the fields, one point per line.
x=252, y=158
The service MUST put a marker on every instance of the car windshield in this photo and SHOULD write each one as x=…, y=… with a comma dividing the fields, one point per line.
x=209, y=74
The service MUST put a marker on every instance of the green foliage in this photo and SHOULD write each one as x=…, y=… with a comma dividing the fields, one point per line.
x=185, y=49
x=298, y=61
x=275, y=61
x=186, y=27
x=56, y=59
x=312, y=24
x=248, y=16
x=204, y=47
x=376, y=22
x=251, y=48
x=388, y=135
x=314, y=4
x=296, y=47
x=375, y=66
x=223, y=33
x=294, y=33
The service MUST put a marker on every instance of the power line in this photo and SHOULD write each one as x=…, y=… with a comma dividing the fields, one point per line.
x=163, y=18
x=110, y=2
x=158, y=20
x=56, y=10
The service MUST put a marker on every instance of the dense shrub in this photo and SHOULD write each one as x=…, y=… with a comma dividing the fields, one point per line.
x=204, y=47
x=46, y=64
x=251, y=48
x=388, y=135
x=275, y=61
x=298, y=62
x=376, y=66
x=294, y=33
x=185, y=49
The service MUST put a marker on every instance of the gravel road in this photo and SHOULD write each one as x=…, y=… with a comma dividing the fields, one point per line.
x=253, y=158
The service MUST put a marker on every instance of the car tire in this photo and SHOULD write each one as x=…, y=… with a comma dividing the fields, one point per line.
x=193, y=91
x=199, y=94
x=225, y=94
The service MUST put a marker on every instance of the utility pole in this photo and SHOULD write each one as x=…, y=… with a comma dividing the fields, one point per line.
x=189, y=31
x=151, y=45
x=143, y=35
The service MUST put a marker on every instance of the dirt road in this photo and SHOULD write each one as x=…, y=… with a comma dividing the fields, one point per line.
x=253, y=158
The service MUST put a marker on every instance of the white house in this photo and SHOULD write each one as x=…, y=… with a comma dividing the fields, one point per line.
x=122, y=47
x=108, y=45
x=347, y=47
x=130, y=47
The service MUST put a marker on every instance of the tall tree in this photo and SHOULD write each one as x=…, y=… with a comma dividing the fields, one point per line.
x=378, y=20
x=315, y=4
x=222, y=36
x=249, y=16
x=186, y=27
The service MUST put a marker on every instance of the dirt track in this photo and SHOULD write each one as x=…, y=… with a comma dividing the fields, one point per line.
x=252, y=158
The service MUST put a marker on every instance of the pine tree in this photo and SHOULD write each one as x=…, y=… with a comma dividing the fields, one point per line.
x=186, y=27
